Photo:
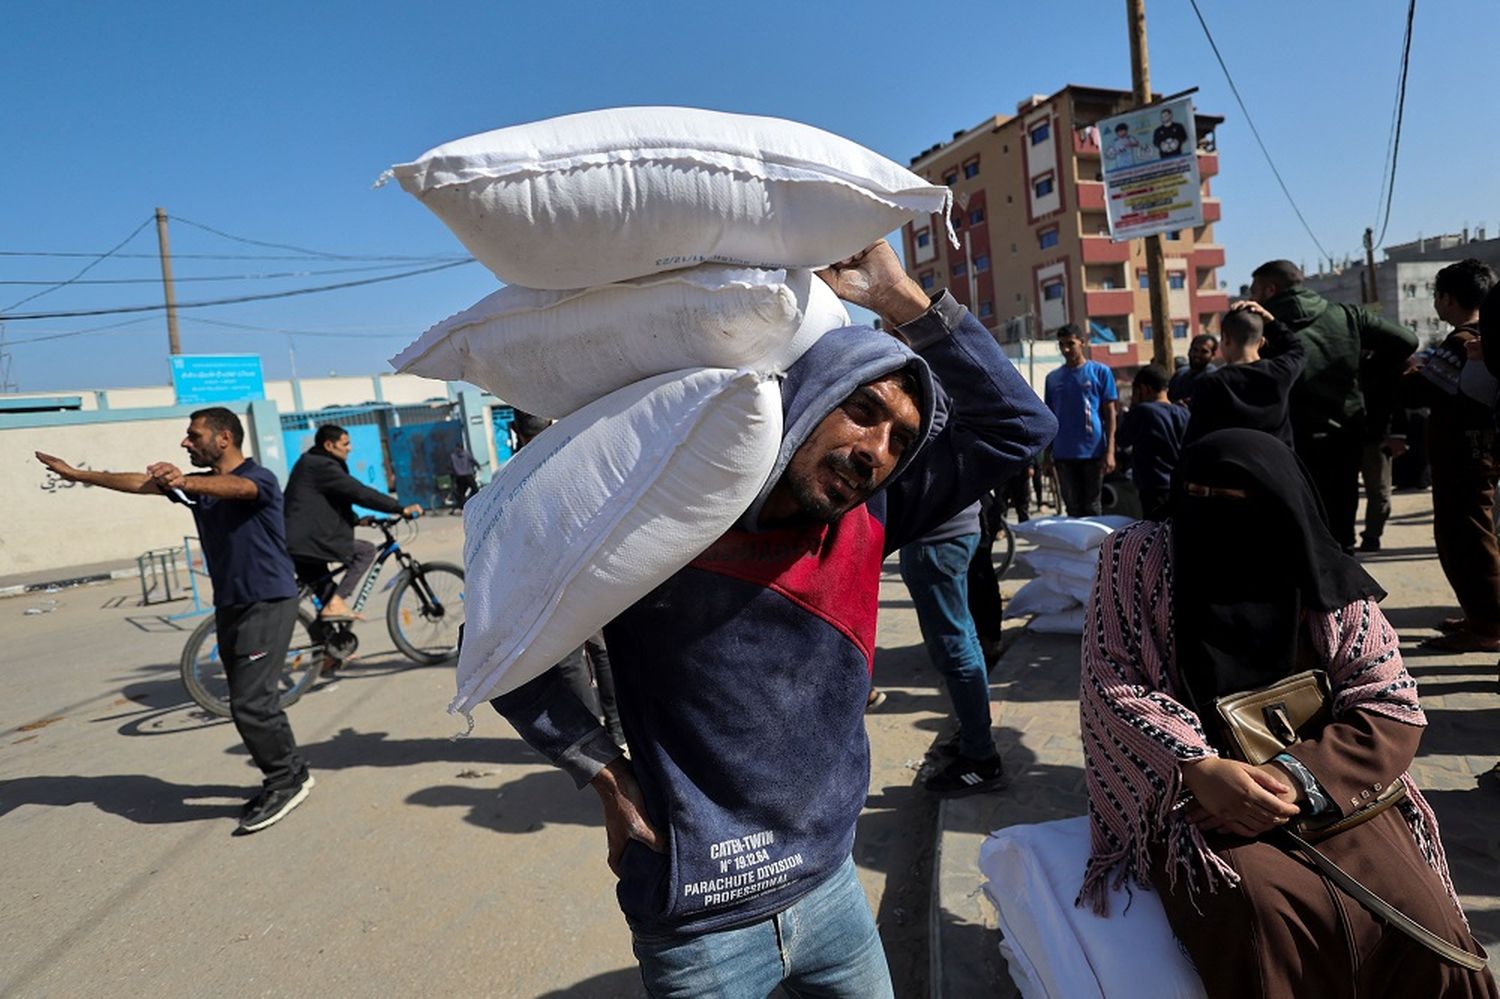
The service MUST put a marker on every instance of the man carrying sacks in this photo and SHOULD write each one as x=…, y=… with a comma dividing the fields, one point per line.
x=742, y=679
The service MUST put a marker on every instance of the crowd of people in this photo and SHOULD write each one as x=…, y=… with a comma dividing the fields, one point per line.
x=721, y=719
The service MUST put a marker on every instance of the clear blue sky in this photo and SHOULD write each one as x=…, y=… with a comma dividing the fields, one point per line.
x=271, y=121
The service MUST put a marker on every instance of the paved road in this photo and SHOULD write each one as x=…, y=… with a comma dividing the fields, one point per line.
x=419, y=866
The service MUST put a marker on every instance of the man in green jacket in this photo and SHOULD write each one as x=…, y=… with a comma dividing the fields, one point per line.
x=1327, y=406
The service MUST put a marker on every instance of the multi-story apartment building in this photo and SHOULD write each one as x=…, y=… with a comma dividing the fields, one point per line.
x=1034, y=243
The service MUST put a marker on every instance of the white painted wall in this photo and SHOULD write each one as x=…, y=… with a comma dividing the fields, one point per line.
x=51, y=525
x=316, y=392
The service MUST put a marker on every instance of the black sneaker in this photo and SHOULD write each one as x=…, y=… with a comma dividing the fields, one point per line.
x=965, y=776
x=272, y=806
x=253, y=803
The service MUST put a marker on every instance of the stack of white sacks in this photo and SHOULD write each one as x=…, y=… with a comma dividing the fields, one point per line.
x=1064, y=560
x=659, y=279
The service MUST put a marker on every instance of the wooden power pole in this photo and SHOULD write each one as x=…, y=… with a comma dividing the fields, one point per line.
x=166, y=280
x=1156, y=245
x=1372, y=288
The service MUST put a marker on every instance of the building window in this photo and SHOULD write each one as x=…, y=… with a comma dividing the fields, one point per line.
x=1043, y=187
x=957, y=221
x=1176, y=280
x=1179, y=330
x=971, y=168
x=950, y=178
x=1410, y=290
x=960, y=269
x=1041, y=133
x=928, y=279
x=1052, y=291
x=1144, y=280
x=981, y=263
x=1013, y=248
x=1145, y=331
x=976, y=216
x=1047, y=238
x=924, y=239
x=1174, y=236
x=1009, y=199
x=986, y=310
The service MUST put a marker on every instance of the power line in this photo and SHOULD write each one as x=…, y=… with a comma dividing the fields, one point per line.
x=324, y=254
x=18, y=317
x=83, y=332
x=1390, y=189
x=225, y=277
x=90, y=266
x=333, y=334
x=431, y=258
x=1255, y=131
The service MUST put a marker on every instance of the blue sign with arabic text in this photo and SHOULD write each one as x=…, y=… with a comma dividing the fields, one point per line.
x=200, y=378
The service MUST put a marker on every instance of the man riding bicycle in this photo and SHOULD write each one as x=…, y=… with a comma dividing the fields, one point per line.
x=320, y=519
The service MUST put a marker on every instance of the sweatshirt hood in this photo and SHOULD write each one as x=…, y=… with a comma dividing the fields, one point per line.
x=821, y=379
x=1297, y=307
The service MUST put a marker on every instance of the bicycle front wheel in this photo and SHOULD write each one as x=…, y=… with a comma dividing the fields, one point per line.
x=1007, y=542
x=425, y=611
x=203, y=669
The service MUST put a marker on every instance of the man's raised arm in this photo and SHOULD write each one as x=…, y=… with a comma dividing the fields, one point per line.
x=995, y=422
x=121, y=482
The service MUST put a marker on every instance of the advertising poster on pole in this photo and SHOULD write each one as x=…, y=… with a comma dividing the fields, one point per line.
x=1151, y=170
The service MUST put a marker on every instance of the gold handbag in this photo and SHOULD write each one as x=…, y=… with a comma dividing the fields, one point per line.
x=1261, y=723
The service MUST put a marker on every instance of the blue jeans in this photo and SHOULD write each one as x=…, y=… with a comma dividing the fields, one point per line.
x=824, y=944
x=936, y=574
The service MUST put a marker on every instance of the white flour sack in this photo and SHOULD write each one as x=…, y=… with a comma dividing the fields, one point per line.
x=552, y=352
x=601, y=508
x=610, y=195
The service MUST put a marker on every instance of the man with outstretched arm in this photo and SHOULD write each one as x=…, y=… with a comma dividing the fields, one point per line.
x=741, y=680
x=237, y=506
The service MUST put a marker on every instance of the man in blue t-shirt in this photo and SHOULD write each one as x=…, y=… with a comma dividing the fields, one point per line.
x=1081, y=394
x=238, y=509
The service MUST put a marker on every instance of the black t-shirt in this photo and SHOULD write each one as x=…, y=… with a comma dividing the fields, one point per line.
x=1169, y=139
x=244, y=541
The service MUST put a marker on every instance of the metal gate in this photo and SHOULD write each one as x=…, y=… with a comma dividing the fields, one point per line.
x=419, y=457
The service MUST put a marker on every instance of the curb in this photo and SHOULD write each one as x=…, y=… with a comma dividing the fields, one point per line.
x=935, y=909
x=52, y=586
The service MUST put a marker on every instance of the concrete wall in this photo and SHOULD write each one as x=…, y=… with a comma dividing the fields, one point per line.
x=316, y=393
x=49, y=524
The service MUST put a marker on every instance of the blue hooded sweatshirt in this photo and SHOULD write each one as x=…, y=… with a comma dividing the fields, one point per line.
x=741, y=681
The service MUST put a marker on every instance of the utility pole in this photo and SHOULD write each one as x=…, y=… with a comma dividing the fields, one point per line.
x=1372, y=288
x=166, y=280
x=1156, y=245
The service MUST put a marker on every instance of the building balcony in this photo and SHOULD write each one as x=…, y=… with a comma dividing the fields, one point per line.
x=1110, y=302
x=1090, y=196
x=1208, y=165
x=1212, y=210
x=1206, y=255
x=1086, y=142
x=1099, y=250
x=1212, y=301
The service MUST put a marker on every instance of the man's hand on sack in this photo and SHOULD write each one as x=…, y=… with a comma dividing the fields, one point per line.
x=624, y=812
x=874, y=279
x=1238, y=798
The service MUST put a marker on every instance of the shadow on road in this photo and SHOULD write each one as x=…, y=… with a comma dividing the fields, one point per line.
x=351, y=748
x=137, y=797
x=526, y=805
x=622, y=984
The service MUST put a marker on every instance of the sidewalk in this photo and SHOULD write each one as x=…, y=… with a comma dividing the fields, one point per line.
x=1035, y=688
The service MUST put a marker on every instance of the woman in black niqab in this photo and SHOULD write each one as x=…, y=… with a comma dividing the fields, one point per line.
x=1251, y=552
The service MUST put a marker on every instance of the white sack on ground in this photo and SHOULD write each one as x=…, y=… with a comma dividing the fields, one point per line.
x=1062, y=562
x=552, y=352
x=1077, y=534
x=605, y=196
x=1057, y=951
x=1067, y=622
x=600, y=509
x=1043, y=595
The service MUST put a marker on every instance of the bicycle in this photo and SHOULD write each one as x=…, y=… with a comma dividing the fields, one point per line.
x=423, y=617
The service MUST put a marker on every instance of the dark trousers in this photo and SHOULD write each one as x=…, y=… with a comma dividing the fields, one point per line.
x=1464, y=473
x=1153, y=502
x=1082, y=484
x=985, y=607
x=1375, y=470
x=253, y=642
x=464, y=486
x=592, y=681
x=1333, y=461
x=313, y=572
